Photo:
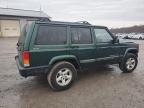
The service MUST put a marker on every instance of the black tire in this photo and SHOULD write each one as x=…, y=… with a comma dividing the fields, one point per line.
x=54, y=72
x=123, y=65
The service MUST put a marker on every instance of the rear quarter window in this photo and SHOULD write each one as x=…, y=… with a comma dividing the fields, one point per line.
x=51, y=35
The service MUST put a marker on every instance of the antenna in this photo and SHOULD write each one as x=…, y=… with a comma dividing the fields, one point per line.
x=40, y=9
x=6, y=4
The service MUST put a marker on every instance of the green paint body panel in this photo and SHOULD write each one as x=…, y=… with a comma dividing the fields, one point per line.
x=82, y=54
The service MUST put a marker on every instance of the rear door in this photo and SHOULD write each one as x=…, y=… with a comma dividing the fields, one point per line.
x=82, y=45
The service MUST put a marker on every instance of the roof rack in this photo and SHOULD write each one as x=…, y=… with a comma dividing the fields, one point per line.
x=44, y=20
x=84, y=22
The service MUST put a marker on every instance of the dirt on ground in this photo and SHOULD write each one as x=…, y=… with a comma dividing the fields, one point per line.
x=102, y=87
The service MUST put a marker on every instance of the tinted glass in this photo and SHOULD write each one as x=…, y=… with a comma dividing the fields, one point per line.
x=81, y=36
x=51, y=35
x=102, y=36
x=24, y=26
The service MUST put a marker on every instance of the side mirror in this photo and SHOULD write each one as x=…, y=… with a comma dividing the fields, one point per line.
x=116, y=40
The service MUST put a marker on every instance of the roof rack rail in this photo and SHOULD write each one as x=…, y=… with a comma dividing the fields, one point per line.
x=84, y=22
x=44, y=20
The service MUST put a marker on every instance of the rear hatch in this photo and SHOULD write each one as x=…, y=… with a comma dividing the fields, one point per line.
x=25, y=26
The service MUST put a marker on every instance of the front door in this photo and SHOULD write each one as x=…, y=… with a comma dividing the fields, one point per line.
x=106, y=49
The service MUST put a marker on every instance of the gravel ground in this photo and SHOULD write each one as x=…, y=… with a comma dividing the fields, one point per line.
x=102, y=87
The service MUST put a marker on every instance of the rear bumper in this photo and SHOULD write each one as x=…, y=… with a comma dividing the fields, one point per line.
x=31, y=71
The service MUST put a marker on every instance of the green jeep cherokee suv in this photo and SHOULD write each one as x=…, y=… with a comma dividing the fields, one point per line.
x=59, y=49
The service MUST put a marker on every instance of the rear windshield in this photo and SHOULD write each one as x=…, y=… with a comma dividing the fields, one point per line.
x=24, y=29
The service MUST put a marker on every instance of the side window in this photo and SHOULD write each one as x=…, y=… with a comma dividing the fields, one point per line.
x=51, y=35
x=102, y=36
x=81, y=36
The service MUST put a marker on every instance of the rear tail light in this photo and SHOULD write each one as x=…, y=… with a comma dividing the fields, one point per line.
x=26, y=58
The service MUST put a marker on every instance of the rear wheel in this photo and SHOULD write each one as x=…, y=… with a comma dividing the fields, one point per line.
x=129, y=63
x=62, y=76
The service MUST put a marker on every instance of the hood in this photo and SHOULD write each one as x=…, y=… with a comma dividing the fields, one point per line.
x=129, y=43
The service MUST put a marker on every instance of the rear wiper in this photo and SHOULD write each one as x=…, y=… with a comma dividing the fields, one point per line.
x=19, y=43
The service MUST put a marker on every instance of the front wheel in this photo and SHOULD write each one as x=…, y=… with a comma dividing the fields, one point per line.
x=129, y=63
x=62, y=76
